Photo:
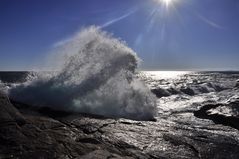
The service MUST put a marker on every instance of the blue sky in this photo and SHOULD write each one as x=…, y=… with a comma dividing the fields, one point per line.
x=186, y=35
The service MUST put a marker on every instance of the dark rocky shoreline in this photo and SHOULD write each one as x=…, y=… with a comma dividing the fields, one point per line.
x=198, y=131
x=40, y=136
x=45, y=133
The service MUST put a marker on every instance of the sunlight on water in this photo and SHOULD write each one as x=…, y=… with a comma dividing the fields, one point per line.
x=165, y=74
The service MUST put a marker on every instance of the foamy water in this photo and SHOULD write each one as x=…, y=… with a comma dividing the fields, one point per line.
x=165, y=74
x=96, y=76
x=187, y=91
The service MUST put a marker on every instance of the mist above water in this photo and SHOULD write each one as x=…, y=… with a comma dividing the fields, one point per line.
x=96, y=75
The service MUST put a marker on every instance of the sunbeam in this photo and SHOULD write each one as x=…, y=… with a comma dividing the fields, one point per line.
x=112, y=21
x=209, y=22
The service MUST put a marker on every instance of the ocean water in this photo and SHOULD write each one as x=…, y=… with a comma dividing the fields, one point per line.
x=175, y=91
x=188, y=91
x=97, y=73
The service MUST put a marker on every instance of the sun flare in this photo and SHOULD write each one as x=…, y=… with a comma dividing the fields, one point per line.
x=166, y=3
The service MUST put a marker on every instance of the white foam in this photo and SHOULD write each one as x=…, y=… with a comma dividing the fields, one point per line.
x=165, y=74
x=96, y=75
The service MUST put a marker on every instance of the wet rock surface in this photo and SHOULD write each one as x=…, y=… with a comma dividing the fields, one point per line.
x=63, y=136
x=198, y=125
x=33, y=133
x=237, y=83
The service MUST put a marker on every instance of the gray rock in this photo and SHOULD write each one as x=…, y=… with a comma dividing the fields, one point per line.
x=102, y=154
x=8, y=113
x=64, y=135
x=237, y=83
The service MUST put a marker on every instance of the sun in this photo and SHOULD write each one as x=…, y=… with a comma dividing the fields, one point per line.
x=166, y=3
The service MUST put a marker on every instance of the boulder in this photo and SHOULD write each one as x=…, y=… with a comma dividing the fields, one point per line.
x=237, y=83
x=8, y=113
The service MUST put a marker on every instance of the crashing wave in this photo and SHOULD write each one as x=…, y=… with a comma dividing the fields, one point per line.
x=98, y=77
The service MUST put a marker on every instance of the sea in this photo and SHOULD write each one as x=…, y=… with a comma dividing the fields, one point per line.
x=174, y=91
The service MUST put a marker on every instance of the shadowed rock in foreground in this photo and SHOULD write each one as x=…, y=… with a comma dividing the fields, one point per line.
x=27, y=132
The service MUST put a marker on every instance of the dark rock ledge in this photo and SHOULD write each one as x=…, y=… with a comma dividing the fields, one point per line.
x=27, y=132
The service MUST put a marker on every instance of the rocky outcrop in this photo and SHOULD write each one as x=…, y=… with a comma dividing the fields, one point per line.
x=225, y=114
x=8, y=113
x=36, y=135
x=27, y=132
x=237, y=83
